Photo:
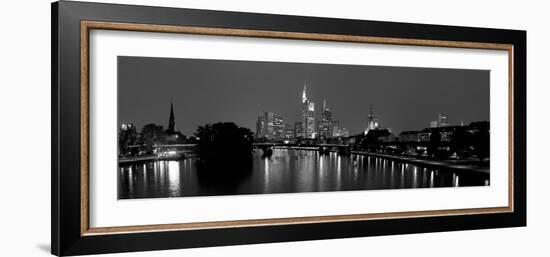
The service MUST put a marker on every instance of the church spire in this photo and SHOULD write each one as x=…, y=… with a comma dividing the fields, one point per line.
x=172, y=121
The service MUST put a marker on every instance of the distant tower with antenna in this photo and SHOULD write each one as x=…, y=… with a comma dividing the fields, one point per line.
x=372, y=122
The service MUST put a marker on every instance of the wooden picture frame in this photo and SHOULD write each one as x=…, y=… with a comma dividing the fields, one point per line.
x=71, y=25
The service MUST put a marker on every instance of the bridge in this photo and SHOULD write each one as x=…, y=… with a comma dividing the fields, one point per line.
x=176, y=146
x=265, y=146
x=321, y=148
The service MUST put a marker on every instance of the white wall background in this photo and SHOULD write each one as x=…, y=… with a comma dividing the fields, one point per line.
x=25, y=124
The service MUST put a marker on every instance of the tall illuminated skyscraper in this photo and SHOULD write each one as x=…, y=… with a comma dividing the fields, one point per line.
x=308, y=115
x=325, y=125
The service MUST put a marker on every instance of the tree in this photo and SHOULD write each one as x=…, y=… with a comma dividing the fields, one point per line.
x=151, y=134
x=434, y=143
x=371, y=141
x=459, y=142
x=152, y=131
x=480, y=142
x=224, y=144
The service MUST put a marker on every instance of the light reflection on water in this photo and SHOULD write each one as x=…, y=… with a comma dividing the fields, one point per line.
x=286, y=171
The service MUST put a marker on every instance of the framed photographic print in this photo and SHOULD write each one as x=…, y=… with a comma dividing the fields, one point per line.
x=177, y=128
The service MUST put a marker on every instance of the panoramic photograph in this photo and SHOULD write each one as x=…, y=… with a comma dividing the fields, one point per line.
x=202, y=127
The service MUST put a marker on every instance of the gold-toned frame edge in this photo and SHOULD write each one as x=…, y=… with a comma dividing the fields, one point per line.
x=86, y=26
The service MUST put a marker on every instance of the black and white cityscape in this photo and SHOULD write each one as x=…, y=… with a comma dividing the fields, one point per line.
x=195, y=127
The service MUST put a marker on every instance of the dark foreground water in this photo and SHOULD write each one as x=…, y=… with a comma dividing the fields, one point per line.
x=286, y=171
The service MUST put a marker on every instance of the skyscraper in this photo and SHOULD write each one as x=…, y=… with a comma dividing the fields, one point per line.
x=289, y=131
x=260, y=124
x=298, y=129
x=278, y=128
x=266, y=125
x=335, y=128
x=308, y=115
x=325, y=125
x=442, y=120
x=268, y=129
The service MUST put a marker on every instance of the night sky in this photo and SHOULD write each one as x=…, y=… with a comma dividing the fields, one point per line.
x=207, y=91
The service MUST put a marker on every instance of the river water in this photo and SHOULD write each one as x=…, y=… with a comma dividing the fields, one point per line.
x=286, y=171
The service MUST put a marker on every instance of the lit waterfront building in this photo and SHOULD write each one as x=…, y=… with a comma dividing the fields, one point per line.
x=127, y=126
x=308, y=116
x=127, y=137
x=372, y=122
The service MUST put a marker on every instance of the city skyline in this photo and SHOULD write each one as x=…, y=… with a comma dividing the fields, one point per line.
x=311, y=124
x=353, y=114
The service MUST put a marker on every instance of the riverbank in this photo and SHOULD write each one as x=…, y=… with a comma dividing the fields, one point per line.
x=150, y=158
x=309, y=148
x=458, y=166
x=129, y=160
x=455, y=166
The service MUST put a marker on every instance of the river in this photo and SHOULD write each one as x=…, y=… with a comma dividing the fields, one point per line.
x=286, y=171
